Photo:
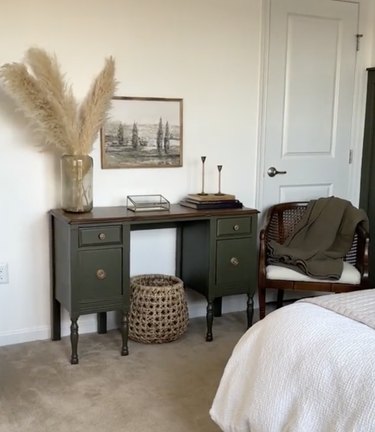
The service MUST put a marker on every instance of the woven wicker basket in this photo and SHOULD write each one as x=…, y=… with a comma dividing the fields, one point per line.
x=158, y=308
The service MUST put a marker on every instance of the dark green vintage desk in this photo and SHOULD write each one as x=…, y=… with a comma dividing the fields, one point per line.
x=216, y=255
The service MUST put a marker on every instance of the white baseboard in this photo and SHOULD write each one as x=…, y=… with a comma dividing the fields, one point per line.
x=88, y=324
x=24, y=335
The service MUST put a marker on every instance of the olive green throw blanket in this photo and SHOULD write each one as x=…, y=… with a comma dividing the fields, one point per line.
x=320, y=240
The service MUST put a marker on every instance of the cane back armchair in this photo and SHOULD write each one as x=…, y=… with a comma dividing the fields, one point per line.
x=279, y=223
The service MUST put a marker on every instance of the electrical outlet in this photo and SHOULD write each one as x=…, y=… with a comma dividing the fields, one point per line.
x=4, y=274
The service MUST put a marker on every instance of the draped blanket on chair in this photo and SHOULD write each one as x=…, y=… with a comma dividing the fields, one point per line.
x=320, y=240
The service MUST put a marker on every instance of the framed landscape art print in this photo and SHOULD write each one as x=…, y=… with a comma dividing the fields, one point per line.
x=143, y=132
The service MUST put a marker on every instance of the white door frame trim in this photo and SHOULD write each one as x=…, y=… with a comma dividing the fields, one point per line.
x=263, y=79
x=359, y=102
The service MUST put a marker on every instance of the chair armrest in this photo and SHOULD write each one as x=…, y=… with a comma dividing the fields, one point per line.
x=362, y=231
x=363, y=252
x=262, y=261
x=264, y=230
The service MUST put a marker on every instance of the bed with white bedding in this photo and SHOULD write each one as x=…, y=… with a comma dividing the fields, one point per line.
x=306, y=367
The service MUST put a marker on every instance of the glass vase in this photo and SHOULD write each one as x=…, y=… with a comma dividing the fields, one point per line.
x=76, y=183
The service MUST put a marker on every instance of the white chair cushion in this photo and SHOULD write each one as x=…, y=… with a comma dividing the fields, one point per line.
x=350, y=275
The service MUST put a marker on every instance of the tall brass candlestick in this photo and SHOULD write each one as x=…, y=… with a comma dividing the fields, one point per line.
x=219, y=168
x=203, y=159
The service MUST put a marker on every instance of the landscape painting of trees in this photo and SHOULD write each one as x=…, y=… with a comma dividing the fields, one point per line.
x=142, y=133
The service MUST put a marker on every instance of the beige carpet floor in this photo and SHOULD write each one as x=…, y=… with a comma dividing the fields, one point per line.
x=160, y=388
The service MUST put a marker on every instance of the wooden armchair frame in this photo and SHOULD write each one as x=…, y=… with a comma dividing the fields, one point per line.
x=279, y=223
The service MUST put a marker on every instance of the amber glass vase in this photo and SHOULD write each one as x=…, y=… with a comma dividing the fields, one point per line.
x=76, y=183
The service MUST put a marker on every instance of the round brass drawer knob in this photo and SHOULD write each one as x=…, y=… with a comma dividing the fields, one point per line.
x=101, y=236
x=234, y=261
x=101, y=274
x=236, y=227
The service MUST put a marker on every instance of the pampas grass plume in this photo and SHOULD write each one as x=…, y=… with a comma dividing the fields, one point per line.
x=47, y=100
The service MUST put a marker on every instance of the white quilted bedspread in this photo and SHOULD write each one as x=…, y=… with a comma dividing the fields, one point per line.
x=304, y=368
x=357, y=305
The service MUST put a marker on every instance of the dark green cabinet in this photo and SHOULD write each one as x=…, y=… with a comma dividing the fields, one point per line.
x=90, y=273
x=216, y=255
x=219, y=258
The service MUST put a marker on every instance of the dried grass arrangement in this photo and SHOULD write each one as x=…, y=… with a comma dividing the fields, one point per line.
x=64, y=126
x=42, y=93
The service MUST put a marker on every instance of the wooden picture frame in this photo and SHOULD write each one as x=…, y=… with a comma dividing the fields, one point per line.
x=143, y=132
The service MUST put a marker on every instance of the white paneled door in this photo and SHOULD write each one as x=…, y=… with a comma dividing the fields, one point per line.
x=309, y=89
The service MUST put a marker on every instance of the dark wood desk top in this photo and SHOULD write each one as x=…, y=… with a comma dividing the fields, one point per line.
x=122, y=214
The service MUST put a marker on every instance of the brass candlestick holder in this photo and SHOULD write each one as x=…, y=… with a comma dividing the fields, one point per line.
x=219, y=168
x=203, y=159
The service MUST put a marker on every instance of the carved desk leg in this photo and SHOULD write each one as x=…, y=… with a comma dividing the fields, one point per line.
x=74, y=340
x=56, y=320
x=102, y=322
x=218, y=306
x=124, y=334
x=250, y=310
x=209, y=319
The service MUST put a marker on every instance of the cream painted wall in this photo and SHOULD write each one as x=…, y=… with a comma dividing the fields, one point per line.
x=205, y=51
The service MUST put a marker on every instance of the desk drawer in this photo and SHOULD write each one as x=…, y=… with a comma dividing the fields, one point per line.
x=105, y=234
x=100, y=274
x=234, y=226
x=232, y=260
